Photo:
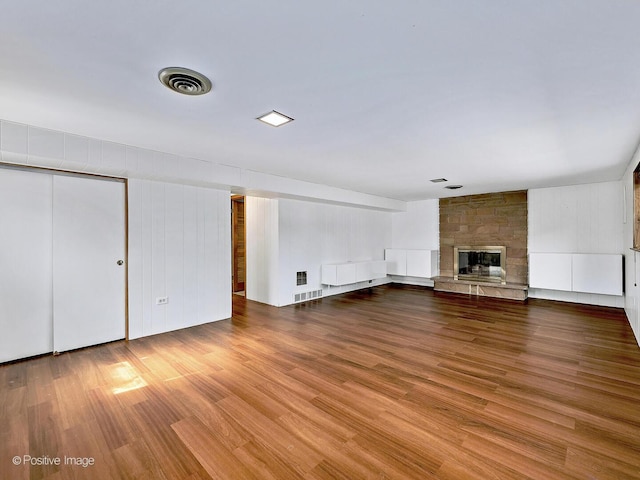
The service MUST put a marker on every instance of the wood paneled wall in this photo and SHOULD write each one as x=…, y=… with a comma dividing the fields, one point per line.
x=315, y=233
x=180, y=248
x=286, y=236
x=577, y=219
x=417, y=228
x=41, y=147
x=261, y=220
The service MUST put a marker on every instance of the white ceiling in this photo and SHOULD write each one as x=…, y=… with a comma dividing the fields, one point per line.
x=491, y=94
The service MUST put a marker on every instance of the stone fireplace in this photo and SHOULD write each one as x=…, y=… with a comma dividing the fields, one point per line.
x=481, y=223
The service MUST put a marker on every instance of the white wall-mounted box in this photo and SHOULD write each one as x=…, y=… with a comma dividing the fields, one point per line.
x=412, y=263
x=576, y=272
x=336, y=274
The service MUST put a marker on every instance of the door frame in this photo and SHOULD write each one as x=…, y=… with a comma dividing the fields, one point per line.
x=235, y=285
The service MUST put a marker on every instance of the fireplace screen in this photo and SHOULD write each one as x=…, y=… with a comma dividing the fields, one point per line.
x=484, y=263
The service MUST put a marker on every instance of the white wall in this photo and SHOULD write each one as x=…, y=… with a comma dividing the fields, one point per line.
x=179, y=247
x=312, y=234
x=632, y=258
x=577, y=219
x=261, y=223
x=418, y=228
x=286, y=236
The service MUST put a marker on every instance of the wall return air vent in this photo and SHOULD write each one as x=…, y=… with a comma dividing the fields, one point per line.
x=304, y=296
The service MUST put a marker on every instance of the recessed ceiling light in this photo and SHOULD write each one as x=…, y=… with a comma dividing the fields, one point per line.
x=438, y=180
x=184, y=80
x=275, y=119
x=453, y=187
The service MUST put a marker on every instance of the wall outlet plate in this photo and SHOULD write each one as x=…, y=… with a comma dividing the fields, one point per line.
x=162, y=300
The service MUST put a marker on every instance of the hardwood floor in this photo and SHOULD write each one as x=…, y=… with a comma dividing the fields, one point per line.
x=393, y=382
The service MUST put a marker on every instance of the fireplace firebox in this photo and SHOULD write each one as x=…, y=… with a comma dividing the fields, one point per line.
x=480, y=263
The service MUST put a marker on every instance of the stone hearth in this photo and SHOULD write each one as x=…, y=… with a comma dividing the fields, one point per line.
x=511, y=291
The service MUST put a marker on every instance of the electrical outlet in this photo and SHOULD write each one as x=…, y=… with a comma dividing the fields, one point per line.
x=162, y=300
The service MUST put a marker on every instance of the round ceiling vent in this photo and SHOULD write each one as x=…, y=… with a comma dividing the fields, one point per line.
x=185, y=81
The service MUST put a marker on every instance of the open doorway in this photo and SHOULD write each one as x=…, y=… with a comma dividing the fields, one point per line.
x=238, y=245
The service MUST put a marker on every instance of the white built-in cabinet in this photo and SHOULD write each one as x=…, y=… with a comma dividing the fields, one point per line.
x=346, y=273
x=576, y=272
x=62, y=251
x=412, y=263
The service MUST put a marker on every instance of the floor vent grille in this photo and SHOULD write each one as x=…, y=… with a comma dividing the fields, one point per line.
x=304, y=296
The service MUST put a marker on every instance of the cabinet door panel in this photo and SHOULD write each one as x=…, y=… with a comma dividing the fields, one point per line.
x=329, y=274
x=595, y=273
x=346, y=274
x=363, y=271
x=550, y=271
x=396, y=261
x=419, y=263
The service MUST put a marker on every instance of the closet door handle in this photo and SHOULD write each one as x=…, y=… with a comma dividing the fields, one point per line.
x=120, y=262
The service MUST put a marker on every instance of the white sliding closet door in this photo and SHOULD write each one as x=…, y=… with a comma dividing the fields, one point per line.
x=25, y=264
x=88, y=245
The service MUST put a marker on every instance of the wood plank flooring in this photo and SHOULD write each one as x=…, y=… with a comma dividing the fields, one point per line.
x=389, y=383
